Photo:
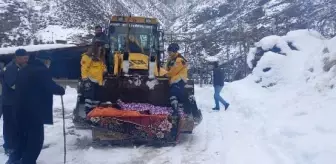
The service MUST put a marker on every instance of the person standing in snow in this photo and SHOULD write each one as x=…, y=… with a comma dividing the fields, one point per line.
x=218, y=83
x=178, y=76
x=177, y=72
x=8, y=76
x=34, y=90
x=93, y=68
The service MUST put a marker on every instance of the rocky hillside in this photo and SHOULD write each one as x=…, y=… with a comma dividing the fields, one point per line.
x=31, y=20
x=213, y=27
x=223, y=27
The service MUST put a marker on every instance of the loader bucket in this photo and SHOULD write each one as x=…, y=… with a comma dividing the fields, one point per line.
x=135, y=89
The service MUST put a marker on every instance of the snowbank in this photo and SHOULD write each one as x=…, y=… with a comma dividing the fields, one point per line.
x=302, y=40
x=289, y=97
x=32, y=48
x=293, y=59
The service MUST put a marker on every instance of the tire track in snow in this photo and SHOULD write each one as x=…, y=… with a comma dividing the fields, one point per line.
x=210, y=144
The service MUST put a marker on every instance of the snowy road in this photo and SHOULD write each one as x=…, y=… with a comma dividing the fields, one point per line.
x=223, y=137
x=241, y=135
x=217, y=140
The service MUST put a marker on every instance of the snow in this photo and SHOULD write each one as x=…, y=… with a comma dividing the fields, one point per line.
x=56, y=32
x=68, y=99
x=251, y=56
x=151, y=84
x=32, y=48
x=211, y=59
x=291, y=122
x=273, y=9
x=299, y=38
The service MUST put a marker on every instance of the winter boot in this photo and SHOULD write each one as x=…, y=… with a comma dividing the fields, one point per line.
x=227, y=106
x=215, y=108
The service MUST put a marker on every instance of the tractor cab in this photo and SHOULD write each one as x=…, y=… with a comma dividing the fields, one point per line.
x=135, y=45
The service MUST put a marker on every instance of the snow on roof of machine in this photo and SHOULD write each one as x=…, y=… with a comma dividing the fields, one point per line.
x=34, y=48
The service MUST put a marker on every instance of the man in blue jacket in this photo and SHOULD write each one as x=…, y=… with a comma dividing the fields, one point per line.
x=218, y=82
x=33, y=104
x=8, y=76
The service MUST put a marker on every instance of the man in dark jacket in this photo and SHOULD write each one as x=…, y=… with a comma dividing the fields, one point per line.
x=33, y=104
x=100, y=35
x=8, y=76
x=218, y=82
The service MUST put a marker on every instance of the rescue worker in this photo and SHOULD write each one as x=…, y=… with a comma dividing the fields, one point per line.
x=93, y=68
x=178, y=76
x=33, y=106
x=9, y=74
x=218, y=83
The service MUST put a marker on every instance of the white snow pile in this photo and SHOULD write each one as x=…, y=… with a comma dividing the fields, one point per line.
x=289, y=98
x=33, y=48
x=312, y=57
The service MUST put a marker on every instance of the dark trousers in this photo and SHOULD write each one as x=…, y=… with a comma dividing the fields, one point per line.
x=178, y=96
x=218, y=98
x=9, y=127
x=30, y=143
x=90, y=94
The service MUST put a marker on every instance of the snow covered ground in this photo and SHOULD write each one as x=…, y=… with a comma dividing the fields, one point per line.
x=56, y=32
x=288, y=122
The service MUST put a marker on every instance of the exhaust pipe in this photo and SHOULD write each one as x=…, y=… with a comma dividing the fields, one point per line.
x=151, y=67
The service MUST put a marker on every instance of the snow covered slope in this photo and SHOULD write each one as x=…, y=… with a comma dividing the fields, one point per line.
x=215, y=24
x=217, y=18
x=289, y=122
x=49, y=20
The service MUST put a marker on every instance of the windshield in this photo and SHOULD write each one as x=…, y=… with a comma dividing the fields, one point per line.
x=142, y=34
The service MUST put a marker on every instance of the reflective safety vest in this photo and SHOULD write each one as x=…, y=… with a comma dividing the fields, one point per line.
x=93, y=70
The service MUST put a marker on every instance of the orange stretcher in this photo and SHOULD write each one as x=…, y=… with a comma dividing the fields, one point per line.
x=113, y=112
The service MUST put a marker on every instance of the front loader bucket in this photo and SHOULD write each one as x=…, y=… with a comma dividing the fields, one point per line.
x=136, y=89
